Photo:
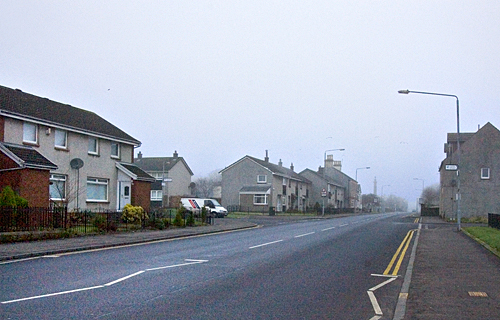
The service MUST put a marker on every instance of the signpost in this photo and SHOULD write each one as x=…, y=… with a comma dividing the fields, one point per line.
x=323, y=195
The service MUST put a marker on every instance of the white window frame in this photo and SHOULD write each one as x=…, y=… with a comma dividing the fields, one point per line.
x=97, y=182
x=156, y=195
x=57, y=179
x=263, y=196
x=93, y=147
x=117, y=155
x=59, y=132
x=260, y=180
x=28, y=128
x=485, y=173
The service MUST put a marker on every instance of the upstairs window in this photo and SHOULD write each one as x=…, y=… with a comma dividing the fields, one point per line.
x=115, y=150
x=485, y=173
x=261, y=178
x=30, y=133
x=93, y=145
x=61, y=139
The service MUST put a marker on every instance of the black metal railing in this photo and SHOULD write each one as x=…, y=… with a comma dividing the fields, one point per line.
x=494, y=220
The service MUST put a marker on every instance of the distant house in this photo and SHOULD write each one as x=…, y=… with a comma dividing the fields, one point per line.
x=175, y=174
x=255, y=185
x=479, y=174
x=54, y=153
x=324, y=190
x=349, y=188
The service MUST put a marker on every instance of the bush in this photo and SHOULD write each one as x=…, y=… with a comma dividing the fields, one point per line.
x=178, y=221
x=100, y=223
x=190, y=220
x=133, y=214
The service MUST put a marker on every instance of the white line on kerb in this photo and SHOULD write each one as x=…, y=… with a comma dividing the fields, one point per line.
x=265, y=244
x=305, y=234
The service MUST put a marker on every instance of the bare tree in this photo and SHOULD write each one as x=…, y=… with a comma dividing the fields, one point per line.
x=430, y=195
x=206, y=185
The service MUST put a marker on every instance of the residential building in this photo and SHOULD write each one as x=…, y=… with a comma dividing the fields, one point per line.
x=256, y=185
x=352, y=190
x=173, y=179
x=78, y=158
x=479, y=174
x=324, y=190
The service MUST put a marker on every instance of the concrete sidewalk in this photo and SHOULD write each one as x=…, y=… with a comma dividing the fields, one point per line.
x=454, y=277
x=21, y=250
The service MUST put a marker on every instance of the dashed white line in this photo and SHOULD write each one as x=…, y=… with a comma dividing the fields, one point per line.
x=305, y=234
x=264, y=244
x=328, y=229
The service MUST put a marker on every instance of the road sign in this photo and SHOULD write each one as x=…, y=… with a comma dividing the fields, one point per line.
x=323, y=193
x=451, y=167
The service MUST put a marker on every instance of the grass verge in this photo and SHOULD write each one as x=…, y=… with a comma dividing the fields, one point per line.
x=488, y=236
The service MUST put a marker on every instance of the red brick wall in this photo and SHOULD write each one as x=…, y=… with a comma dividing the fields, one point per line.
x=141, y=194
x=2, y=129
x=31, y=184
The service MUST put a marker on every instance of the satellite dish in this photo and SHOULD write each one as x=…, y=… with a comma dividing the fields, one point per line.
x=76, y=163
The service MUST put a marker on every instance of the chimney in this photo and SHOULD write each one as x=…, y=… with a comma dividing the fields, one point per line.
x=291, y=166
x=329, y=161
x=321, y=170
x=175, y=154
x=139, y=155
x=266, y=159
x=280, y=163
x=337, y=165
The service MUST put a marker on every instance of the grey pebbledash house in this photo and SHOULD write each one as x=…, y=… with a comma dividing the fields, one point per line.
x=479, y=174
x=74, y=156
x=256, y=185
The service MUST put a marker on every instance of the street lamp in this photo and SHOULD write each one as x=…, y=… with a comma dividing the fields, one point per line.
x=458, y=145
x=333, y=150
x=360, y=169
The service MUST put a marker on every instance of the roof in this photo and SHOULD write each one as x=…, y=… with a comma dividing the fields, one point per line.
x=17, y=104
x=134, y=172
x=160, y=164
x=328, y=179
x=26, y=156
x=256, y=189
x=274, y=168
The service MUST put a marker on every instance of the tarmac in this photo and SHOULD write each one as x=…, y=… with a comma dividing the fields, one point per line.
x=449, y=275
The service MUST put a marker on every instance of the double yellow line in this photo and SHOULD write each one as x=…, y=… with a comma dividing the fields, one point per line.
x=401, y=253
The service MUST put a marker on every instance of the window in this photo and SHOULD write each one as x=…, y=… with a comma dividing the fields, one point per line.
x=115, y=150
x=156, y=195
x=93, y=146
x=260, y=199
x=57, y=188
x=261, y=178
x=30, y=132
x=97, y=189
x=61, y=139
x=485, y=173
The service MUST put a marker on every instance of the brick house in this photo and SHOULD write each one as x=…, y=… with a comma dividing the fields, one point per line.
x=79, y=159
x=479, y=174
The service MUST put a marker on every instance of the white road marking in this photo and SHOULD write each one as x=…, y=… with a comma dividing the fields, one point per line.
x=190, y=262
x=265, y=244
x=328, y=229
x=305, y=234
x=373, y=299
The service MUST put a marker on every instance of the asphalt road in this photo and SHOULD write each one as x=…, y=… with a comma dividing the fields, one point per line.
x=309, y=269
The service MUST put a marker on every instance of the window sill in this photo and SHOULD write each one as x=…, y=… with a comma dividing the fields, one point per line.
x=61, y=149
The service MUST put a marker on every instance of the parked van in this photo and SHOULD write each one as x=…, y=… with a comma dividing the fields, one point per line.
x=213, y=206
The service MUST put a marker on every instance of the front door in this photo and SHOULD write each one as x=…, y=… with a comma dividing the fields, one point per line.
x=124, y=189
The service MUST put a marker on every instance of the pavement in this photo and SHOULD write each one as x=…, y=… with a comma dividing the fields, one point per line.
x=449, y=276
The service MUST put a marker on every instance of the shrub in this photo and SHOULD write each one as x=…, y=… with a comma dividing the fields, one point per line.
x=190, y=220
x=8, y=197
x=100, y=223
x=133, y=214
x=178, y=221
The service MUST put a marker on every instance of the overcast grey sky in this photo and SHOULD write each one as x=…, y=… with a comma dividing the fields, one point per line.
x=218, y=80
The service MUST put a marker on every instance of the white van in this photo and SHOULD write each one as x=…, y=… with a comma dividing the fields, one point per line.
x=213, y=206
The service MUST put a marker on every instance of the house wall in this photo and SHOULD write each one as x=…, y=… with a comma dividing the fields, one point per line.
x=141, y=194
x=26, y=183
x=181, y=179
x=95, y=166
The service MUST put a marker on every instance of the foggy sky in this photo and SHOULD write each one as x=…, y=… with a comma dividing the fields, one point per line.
x=218, y=80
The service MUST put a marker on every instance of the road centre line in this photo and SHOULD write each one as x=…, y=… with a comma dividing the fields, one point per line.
x=265, y=244
x=191, y=261
x=305, y=234
x=328, y=229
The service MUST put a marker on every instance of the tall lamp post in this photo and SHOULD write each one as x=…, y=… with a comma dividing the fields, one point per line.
x=357, y=193
x=458, y=145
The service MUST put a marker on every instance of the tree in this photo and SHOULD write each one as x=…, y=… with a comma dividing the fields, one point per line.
x=206, y=185
x=430, y=195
